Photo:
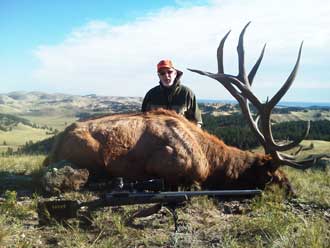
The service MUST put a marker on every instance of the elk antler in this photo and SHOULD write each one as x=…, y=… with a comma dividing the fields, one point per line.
x=240, y=87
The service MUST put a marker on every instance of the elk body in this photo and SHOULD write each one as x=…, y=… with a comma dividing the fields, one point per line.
x=162, y=144
x=159, y=144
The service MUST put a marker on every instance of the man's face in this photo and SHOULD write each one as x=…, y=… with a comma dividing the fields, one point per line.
x=167, y=76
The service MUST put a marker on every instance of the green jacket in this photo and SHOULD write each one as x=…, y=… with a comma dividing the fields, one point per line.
x=177, y=97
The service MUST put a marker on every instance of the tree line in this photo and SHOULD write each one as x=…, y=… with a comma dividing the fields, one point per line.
x=234, y=130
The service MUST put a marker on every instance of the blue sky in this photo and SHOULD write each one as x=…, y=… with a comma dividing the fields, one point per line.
x=112, y=47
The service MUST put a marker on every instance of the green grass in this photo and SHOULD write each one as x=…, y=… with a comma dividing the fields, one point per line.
x=58, y=122
x=275, y=226
x=22, y=164
x=20, y=135
x=311, y=185
x=320, y=146
x=20, y=173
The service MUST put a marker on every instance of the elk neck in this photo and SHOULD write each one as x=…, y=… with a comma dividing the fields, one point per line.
x=230, y=166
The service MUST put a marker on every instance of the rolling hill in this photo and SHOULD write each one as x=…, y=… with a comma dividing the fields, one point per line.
x=28, y=117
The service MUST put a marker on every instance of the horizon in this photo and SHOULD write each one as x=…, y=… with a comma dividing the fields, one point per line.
x=112, y=48
x=199, y=100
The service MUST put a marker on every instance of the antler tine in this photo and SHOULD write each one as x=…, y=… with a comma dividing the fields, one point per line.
x=289, y=157
x=241, y=60
x=253, y=123
x=293, y=144
x=288, y=82
x=299, y=150
x=204, y=73
x=256, y=66
x=271, y=145
x=220, y=53
x=303, y=164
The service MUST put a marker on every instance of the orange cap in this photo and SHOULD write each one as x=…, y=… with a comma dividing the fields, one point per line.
x=166, y=63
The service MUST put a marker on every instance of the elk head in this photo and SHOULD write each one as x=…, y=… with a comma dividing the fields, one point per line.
x=240, y=88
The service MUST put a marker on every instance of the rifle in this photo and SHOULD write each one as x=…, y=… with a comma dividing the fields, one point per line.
x=64, y=209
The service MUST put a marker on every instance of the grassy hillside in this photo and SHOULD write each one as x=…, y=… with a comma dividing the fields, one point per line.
x=20, y=135
x=17, y=130
x=58, y=122
x=307, y=114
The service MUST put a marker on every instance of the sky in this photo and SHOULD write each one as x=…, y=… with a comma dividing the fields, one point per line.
x=111, y=48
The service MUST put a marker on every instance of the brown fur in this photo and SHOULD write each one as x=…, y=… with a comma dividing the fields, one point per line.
x=161, y=144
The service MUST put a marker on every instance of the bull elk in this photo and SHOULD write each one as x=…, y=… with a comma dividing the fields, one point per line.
x=162, y=144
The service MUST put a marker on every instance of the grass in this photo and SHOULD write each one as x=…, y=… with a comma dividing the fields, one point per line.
x=20, y=135
x=320, y=146
x=312, y=185
x=276, y=222
x=20, y=172
x=267, y=221
x=56, y=122
x=274, y=227
x=22, y=164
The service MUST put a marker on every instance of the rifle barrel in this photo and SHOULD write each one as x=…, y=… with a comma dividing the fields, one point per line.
x=128, y=198
x=244, y=192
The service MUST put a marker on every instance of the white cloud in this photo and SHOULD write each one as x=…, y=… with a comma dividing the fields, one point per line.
x=120, y=60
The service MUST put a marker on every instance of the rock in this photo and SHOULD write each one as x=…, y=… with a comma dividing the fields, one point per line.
x=232, y=207
x=63, y=177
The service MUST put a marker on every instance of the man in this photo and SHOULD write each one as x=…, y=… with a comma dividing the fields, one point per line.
x=171, y=94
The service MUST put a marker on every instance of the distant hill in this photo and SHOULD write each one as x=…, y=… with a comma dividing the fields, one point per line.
x=279, y=113
x=8, y=121
x=39, y=104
